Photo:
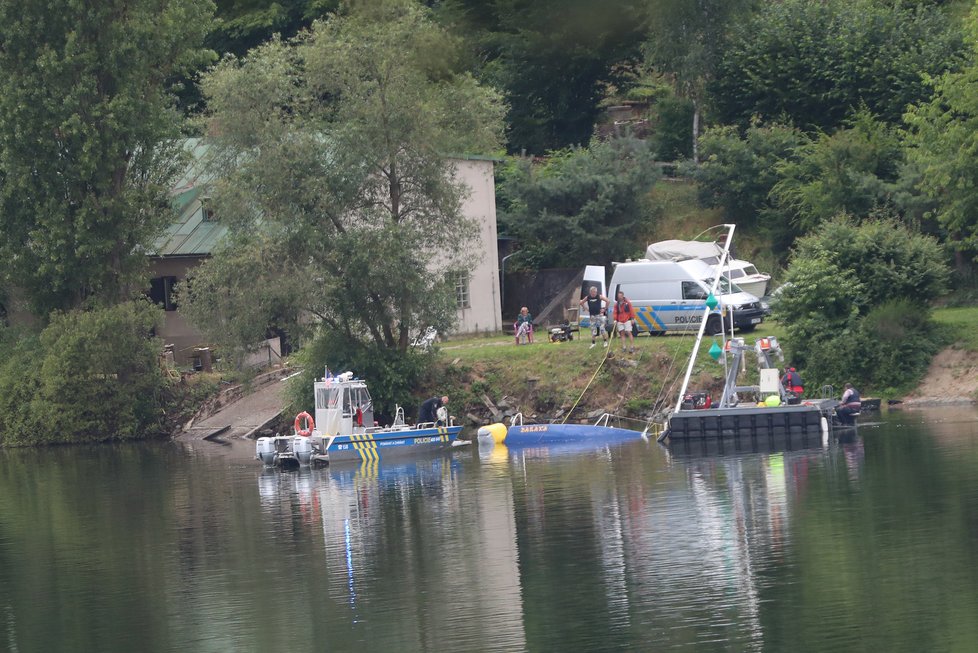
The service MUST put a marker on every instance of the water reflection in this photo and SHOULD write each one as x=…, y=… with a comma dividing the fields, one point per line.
x=865, y=542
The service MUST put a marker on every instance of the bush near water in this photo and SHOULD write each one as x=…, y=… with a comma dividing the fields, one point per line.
x=88, y=376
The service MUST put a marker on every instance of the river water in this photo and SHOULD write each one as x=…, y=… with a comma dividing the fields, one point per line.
x=866, y=544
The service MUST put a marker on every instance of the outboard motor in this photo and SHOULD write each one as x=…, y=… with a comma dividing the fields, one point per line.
x=265, y=450
x=302, y=448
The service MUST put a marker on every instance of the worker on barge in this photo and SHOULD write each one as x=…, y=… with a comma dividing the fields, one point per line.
x=792, y=384
x=850, y=406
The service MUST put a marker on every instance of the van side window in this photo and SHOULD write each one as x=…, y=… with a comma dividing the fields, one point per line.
x=692, y=290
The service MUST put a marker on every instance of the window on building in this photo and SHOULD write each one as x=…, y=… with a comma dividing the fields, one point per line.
x=461, y=280
x=161, y=292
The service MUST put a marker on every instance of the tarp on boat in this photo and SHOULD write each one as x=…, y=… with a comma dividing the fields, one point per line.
x=681, y=250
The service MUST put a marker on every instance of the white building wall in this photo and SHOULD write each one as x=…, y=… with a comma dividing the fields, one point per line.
x=484, y=310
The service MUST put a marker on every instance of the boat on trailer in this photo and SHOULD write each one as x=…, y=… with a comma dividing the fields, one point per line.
x=344, y=430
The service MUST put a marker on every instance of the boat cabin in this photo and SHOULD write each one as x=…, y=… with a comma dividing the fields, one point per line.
x=343, y=405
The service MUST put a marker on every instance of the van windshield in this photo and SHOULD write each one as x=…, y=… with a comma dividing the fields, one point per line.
x=726, y=288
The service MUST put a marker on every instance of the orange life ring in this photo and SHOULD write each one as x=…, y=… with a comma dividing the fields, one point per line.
x=304, y=432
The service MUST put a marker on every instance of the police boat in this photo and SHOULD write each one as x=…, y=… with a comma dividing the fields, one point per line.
x=343, y=430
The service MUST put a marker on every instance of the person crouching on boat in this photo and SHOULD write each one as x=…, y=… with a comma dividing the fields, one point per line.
x=791, y=382
x=624, y=318
x=429, y=409
x=596, y=306
x=849, y=406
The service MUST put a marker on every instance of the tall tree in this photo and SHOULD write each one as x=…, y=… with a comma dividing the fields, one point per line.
x=85, y=110
x=686, y=40
x=943, y=140
x=333, y=152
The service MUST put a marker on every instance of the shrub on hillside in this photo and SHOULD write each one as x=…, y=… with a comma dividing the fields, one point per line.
x=89, y=376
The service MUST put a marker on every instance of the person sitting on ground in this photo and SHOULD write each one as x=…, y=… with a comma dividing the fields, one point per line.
x=429, y=409
x=791, y=382
x=624, y=318
x=524, y=326
x=849, y=406
x=596, y=306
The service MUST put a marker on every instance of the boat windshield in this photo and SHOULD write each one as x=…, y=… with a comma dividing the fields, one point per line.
x=750, y=269
x=726, y=288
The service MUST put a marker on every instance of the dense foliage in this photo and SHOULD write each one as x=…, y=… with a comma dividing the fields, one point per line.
x=87, y=377
x=551, y=59
x=738, y=173
x=856, y=302
x=580, y=205
x=943, y=142
x=85, y=118
x=814, y=63
x=854, y=170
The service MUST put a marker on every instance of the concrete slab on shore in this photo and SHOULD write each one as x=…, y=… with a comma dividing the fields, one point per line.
x=244, y=417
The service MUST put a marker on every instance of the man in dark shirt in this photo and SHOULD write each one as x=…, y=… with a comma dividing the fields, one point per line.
x=429, y=409
x=596, y=305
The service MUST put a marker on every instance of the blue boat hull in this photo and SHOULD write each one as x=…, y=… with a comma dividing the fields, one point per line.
x=380, y=445
x=532, y=434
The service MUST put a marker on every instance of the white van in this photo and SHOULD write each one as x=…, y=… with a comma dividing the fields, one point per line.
x=671, y=296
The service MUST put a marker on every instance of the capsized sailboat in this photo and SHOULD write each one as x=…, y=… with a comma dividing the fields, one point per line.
x=520, y=434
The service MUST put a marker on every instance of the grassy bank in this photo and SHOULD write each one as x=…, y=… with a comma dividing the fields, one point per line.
x=546, y=380
x=959, y=326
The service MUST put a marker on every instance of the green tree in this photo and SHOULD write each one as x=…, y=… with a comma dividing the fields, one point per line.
x=89, y=376
x=854, y=170
x=581, y=205
x=814, y=63
x=856, y=299
x=738, y=172
x=85, y=114
x=686, y=40
x=943, y=142
x=241, y=25
x=333, y=152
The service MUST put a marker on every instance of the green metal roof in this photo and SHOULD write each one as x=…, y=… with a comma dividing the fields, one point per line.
x=190, y=234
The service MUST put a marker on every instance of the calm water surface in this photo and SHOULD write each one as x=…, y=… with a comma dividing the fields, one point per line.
x=867, y=544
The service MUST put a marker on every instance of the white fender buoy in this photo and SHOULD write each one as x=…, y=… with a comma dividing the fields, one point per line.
x=825, y=431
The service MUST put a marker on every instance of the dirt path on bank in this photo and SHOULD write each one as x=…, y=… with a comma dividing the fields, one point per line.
x=952, y=378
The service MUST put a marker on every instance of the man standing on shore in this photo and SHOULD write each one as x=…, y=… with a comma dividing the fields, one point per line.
x=596, y=306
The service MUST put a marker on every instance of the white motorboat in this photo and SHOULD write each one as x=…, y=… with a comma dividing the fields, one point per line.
x=741, y=272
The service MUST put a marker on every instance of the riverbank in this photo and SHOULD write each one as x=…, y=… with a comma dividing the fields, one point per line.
x=489, y=378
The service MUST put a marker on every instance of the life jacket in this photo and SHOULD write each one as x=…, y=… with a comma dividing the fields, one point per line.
x=623, y=311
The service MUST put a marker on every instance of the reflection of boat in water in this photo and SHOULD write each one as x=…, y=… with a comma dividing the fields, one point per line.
x=754, y=443
x=518, y=434
x=343, y=430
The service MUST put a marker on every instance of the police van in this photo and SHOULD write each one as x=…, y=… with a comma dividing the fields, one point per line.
x=671, y=296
